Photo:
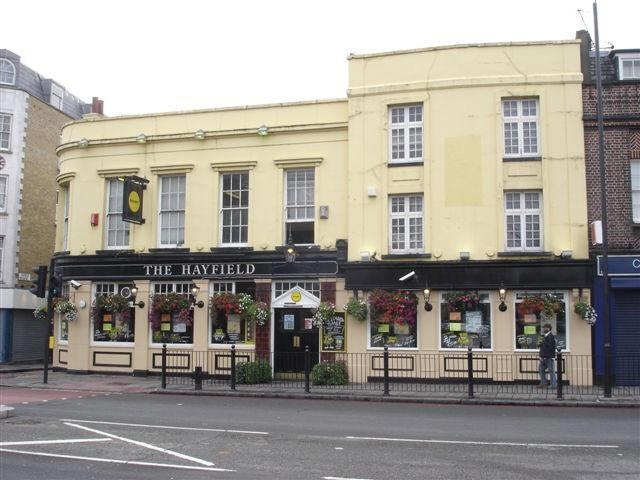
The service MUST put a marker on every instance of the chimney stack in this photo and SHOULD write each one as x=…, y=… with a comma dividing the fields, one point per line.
x=97, y=106
x=585, y=48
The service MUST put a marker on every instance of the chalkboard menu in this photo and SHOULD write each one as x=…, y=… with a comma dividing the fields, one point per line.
x=334, y=334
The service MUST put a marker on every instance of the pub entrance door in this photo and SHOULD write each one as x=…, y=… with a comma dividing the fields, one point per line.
x=293, y=331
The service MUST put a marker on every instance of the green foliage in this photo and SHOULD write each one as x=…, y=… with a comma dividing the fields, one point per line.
x=357, y=308
x=250, y=373
x=112, y=303
x=329, y=374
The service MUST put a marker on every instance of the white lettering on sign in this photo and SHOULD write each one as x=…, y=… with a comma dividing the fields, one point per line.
x=202, y=269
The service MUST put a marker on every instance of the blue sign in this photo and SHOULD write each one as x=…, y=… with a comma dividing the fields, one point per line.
x=621, y=265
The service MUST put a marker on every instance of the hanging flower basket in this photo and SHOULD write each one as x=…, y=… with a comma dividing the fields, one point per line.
x=105, y=306
x=586, y=312
x=461, y=301
x=65, y=308
x=169, y=303
x=323, y=313
x=356, y=308
x=41, y=313
x=544, y=303
x=394, y=307
x=249, y=309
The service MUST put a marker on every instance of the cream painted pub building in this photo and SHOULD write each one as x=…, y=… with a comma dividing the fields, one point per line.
x=447, y=172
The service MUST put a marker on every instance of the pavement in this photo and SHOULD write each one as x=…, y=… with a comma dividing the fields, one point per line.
x=26, y=386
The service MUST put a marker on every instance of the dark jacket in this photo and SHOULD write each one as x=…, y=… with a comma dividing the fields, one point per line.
x=548, y=347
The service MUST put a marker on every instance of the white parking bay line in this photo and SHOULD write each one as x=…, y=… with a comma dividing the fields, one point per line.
x=467, y=442
x=344, y=478
x=143, y=444
x=195, y=429
x=109, y=460
x=48, y=442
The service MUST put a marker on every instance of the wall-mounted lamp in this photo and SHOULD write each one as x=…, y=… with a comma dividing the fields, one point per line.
x=263, y=131
x=290, y=252
x=465, y=255
x=194, y=294
x=199, y=135
x=427, y=295
x=134, y=294
x=565, y=254
x=142, y=138
x=83, y=143
x=503, y=295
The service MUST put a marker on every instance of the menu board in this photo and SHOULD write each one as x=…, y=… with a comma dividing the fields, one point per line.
x=334, y=334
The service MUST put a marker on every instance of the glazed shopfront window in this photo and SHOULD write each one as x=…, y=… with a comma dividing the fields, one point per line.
x=228, y=324
x=535, y=309
x=64, y=323
x=465, y=320
x=393, y=319
x=112, y=314
x=171, y=313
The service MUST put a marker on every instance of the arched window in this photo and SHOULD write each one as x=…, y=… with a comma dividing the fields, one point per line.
x=7, y=72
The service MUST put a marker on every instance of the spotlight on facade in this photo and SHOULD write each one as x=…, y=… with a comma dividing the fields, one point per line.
x=142, y=138
x=503, y=295
x=565, y=254
x=365, y=256
x=83, y=143
x=194, y=294
x=427, y=295
x=263, y=131
x=465, y=255
x=134, y=294
x=199, y=135
x=290, y=252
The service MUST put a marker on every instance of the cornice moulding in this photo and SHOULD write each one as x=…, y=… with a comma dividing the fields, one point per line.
x=117, y=172
x=165, y=169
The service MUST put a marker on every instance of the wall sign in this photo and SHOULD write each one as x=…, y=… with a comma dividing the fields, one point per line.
x=621, y=265
x=132, y=199
x=334, y=334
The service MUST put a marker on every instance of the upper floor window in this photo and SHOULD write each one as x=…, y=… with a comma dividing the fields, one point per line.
x=523, y=221
x=172, y=207
x=7, y=72
x=635, y=189
x=405, y=134
x=234, y=214
x=116, y=231
x=5, y=131
x=406, y=224
x=3, y=193
x=629, y=67
x=520, y=124
x=299, y=205
x=57, y=96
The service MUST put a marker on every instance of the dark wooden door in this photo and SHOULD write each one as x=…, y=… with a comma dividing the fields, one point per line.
x=292, y=333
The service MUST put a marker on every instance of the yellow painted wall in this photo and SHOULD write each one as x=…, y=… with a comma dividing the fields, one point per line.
x=463, y=176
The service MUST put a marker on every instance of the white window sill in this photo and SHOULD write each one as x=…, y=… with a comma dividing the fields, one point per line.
x=465, y=349
x=63, y=343
x=227, y=346
x=537, y=350
x=393, y=349
x=112, y=344
x=176, y=346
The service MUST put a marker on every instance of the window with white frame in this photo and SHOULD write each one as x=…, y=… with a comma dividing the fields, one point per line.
x=299, y=205
x=283, y=286
x=629, y=67
x=3, y=192
x=114, y=323
x=176, y=325
x=635, y=189
x=1, y=256
x=5, y=131
x=56, y=98
x=63, y=323
x=228, y=327
x=234, y=212
x=405, y=134
x=172, y=208
x=7, y=72
x=406, y=224
x=523, y=221
x=116, y=231
x=465, y=320
x=520, y=128
x=65, y=223
x=533, y=311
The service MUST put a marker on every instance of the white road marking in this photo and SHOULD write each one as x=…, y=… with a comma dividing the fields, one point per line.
x=145, y=445
x=248, y=432
x=343, y=478
x=63, y=398
x=339, y=448
x=466, y=442
x=109, y=460
x=47, y=442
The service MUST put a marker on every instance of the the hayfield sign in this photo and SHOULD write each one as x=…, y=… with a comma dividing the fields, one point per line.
x=200, y=270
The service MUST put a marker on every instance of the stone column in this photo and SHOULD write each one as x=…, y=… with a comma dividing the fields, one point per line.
x=141, y=346
x=263, y=333
x=79, y=335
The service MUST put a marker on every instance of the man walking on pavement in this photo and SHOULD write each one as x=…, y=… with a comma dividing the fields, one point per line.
x=547, y=351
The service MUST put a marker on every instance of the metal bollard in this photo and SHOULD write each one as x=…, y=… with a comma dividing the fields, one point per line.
x=386, y=370
x=307, y=367
x=559, y=373
x=470, y=370
x=164, y=366
x=607, y=370
x=233, y=367
x=198, y=378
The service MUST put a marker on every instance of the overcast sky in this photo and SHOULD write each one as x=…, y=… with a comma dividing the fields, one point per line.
x=143, y=56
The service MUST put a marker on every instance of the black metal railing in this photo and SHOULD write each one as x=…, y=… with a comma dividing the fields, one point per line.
x=459, y=373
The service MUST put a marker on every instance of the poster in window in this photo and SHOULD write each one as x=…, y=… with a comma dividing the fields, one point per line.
x=334, y=333
x=179, y=327
x=530, y=318
x=289, y=322
x=308, y=323
x=233, y=327
x=473, y=321
x=455, y=316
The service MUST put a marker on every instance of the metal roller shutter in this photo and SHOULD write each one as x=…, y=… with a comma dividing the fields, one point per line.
x=627, y=337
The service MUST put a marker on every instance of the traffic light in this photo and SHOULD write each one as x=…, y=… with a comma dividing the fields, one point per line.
x=55, y=285
x=39, y=286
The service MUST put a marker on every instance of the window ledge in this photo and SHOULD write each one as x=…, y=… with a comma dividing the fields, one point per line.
x=61, y=254
x=169, y=250
x=227, y=346
x=114, y=252
x=299, y=248
x=521, y=159
x=231, y=249
x=100, y=344
x=525, y=254
x=635, y=224
x=407, y=256
x=405, y=164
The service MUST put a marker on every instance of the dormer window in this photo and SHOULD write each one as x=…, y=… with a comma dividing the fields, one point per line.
x=57, y=96
x=7, y=72
x=629, y=66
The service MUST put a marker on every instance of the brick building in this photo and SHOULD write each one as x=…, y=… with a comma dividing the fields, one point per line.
x=33, y=110
x=620, y=71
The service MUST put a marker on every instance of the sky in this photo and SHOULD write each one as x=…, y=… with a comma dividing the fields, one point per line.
x=145, y=56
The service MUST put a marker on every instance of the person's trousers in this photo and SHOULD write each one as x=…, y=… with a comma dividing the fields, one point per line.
x=547, y=364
